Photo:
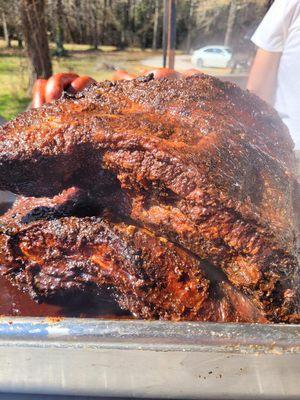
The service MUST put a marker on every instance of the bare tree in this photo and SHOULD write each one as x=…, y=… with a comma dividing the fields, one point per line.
x=59, y=34
x=96, y=9
x=103, y=21
x=230, y=21
x=132, y=23
x=36, y=40
x=5, y=30
x=190, y=25
x=155, y=25
x=15, y=14
x=79, y=18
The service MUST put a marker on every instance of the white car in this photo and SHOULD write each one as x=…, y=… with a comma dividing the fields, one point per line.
x=212, y=56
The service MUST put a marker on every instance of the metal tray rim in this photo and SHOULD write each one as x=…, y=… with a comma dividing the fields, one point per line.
x=149, y=335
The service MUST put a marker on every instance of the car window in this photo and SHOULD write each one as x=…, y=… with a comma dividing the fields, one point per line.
x=218, y=51
x=209, y=50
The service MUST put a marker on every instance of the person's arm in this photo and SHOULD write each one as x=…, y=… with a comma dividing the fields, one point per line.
x=263, y=75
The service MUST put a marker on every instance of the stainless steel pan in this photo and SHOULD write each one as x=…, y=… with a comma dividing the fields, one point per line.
x=149, y=359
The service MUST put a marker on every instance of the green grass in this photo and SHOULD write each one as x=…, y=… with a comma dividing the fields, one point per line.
x=10, y=106
x=14, y=96
x=13, y=84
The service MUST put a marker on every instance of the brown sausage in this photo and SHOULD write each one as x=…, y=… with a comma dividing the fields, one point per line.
x=160, y=73
x=38, y=93
x=57, y=83
x=120, y=74
x=191, y=72
x=80, y=83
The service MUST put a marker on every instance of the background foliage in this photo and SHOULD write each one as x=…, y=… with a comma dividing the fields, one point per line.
x=94, y=37
x=131, y=23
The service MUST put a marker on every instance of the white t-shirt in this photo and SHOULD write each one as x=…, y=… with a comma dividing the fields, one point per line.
x=280, y=32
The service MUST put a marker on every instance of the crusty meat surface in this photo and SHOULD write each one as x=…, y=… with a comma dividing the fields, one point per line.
x=71, y=202
x=149, y=276
x=197, y=160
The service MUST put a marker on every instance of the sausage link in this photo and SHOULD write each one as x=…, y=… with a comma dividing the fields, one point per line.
x=38, y=93
x=122, y=75
x=191, y=72
x=57, y=83
x=160, y=73
x=80, y=83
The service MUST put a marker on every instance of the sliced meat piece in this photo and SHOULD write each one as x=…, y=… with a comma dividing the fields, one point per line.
x=149, y=276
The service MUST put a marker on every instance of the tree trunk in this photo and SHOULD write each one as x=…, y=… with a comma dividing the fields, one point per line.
x=155, y=25
x=95, y=33
x=103, y=22
x=20, y=42
x=36, y=40
x=122, y=43
x=189, y=26
x=59, y=34
x=230, y=22
x=5, y=31
x=78, y=12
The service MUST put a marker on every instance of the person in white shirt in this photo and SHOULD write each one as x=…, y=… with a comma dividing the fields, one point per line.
x=275, y=73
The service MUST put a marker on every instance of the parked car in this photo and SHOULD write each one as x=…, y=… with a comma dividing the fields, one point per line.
x=212, y=56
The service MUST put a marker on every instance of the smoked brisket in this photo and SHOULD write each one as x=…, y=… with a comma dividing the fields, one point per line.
x=196, y=161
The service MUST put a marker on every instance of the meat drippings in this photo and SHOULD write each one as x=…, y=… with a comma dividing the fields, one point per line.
x=14, y=303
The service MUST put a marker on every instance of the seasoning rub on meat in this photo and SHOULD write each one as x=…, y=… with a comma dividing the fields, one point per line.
x=197, y=161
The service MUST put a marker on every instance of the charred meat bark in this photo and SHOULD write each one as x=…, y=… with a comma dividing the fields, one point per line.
x=50, y=257
x=196, y=160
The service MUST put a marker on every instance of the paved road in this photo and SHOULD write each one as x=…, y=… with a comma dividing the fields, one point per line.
x=182, y=62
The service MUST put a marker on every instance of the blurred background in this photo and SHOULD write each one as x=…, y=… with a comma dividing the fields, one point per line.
x=96, y=37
